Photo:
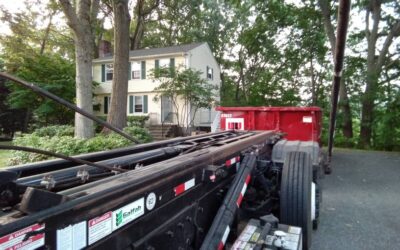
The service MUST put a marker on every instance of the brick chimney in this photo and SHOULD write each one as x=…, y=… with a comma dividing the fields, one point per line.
x=104, y=48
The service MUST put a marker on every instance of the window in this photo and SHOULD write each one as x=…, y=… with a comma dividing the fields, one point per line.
x=164, y=63
x=136, y=70
x=165, y=67
x=138, y=104
x=210, y=73
x=109, y=72
x=106, y=103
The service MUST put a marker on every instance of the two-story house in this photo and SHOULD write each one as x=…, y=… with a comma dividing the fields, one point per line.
x=141, y=87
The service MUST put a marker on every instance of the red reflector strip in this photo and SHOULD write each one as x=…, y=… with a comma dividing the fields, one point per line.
x=224, y=237
x=232, y=161
x=241, y=195
x=184, y=186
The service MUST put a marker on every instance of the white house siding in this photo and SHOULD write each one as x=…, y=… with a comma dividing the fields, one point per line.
x=199, y=58
x=135, y=86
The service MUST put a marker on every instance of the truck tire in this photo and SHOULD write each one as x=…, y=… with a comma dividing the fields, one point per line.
x=295, y=195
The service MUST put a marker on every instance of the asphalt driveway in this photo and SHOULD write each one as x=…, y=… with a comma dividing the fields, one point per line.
x=361, y=202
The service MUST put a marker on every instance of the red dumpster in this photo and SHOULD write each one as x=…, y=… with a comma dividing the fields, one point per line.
x=299, y=123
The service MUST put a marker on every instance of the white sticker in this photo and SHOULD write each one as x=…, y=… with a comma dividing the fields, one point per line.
x=247, y=233
x=292, y=237
x=15, y=240
x=290, y=245
x=64, y=238
x=79, y=235
x=189, y=184
x=307, y=119
x=151, y=201
x=99, y=227
x=72, y=237
x=128, y=213
x=294, y=230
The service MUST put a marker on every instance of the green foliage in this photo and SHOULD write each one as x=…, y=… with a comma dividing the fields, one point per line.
x=137, y=121
x=55, y=130
x=53, y=73
x=39, y=55
x=187, y=89
x=59, y=139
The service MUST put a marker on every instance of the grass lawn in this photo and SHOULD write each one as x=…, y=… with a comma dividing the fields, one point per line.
x=4, y=155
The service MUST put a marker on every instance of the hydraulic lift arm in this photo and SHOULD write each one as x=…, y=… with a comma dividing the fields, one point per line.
x=344, y=11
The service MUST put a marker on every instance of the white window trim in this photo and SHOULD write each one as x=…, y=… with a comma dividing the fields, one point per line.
x=212, y=73
x=106, y=69
x=134, y=112
x=139, y=63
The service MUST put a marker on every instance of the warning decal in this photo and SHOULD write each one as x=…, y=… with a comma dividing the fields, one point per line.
x=15, y=241
x=72, y=237
x=99, y=227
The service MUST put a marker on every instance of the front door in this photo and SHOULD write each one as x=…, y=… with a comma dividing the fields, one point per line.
x=166, y=110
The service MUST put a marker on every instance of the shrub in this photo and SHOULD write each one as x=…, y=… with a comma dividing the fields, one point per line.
x=139, y=133
x=59, y=139
x=56, y=130
x=132, y=121
x=137, y=121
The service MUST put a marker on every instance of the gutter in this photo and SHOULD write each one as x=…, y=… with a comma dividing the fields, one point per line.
x=141, y=57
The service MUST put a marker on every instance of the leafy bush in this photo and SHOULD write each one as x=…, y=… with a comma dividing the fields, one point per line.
x=137, y=121
x=132, y=121
x=56, y=130
x=59, y=139
x=141, y=134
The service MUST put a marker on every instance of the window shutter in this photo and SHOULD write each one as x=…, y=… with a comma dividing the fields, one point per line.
x=143, y=69
x=130, y=71
x=103, y=73
x=145, y=104
x=157, y=68
x=172, y=66
x=212, y=74
x=106, y=105
x=131, y=104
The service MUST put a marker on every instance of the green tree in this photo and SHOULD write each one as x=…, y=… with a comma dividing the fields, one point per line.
x=187, y=90
x=53, y=73
x=382, y=26
x=39, y=55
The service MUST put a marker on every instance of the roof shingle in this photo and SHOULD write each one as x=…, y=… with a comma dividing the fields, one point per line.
x=157, y=51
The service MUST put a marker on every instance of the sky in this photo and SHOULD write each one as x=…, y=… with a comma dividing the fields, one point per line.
x=12, y=6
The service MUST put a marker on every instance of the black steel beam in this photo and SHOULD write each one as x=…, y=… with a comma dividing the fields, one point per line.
x=343, y=20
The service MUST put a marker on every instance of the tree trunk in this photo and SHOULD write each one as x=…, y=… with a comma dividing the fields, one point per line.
x=83, y=54
x=344, y=106
x=367, y=110
x=81, y=17
x=118, y=109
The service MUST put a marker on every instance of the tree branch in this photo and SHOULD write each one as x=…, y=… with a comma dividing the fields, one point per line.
x=330, y=31
x=394, y=32
x=69, y=12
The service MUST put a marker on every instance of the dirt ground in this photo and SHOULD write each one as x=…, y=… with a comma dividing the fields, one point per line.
x=361, y=202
